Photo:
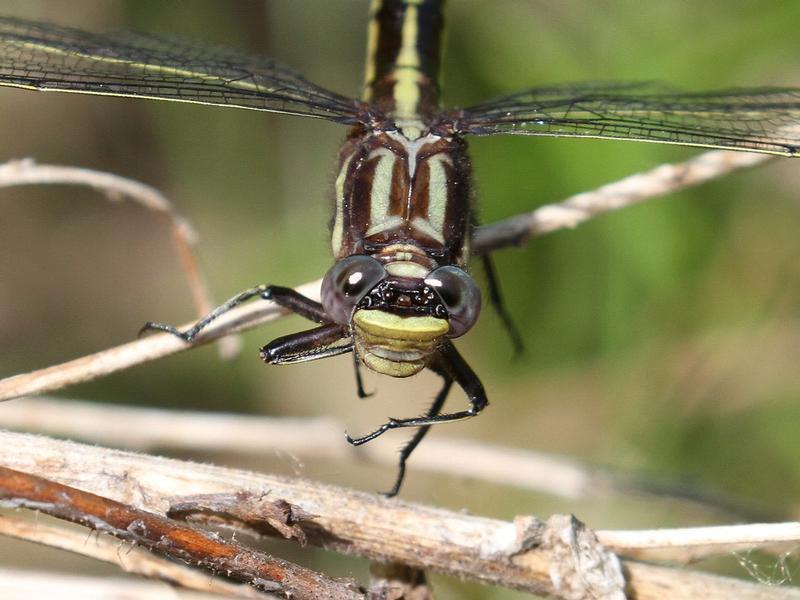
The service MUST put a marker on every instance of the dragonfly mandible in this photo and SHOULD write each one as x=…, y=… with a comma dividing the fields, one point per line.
x=398, y=293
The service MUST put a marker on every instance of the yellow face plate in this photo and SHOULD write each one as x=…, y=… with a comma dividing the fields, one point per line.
x=396, y=345
x=379, y=323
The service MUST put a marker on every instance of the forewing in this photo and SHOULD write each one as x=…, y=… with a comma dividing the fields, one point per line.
x=48, y=57
x=759, y=120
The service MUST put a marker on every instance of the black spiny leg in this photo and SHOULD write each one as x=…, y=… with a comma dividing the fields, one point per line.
x=450, y=362
x=282, y=296
x=497, y=302
x=434, y=410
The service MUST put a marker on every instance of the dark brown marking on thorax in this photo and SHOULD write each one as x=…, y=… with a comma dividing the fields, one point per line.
x=400, y=192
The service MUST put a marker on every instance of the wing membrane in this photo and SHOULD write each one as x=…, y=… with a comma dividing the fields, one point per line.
x=48, y=57
x=759, y=120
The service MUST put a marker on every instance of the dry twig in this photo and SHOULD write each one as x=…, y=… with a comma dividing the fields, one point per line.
x=100, y=364
x=631, y=190
x=559, y=558
x=554, y=558
x=692, y=543
x=164, y=536
x=115, y=188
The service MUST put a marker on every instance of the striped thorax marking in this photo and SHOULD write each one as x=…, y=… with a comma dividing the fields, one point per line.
x=337, y=230
x=392, y=190
x=380, y=209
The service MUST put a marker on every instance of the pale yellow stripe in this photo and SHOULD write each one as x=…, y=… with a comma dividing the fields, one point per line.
x=337, y=234
x=372, y=48
x=437, y=192
x=381, y=187
x=425, y=227
x=406, y=90
x=385, y=225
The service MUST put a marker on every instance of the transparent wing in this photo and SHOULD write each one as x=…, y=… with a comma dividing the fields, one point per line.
x=759, y=120
x=48, y=57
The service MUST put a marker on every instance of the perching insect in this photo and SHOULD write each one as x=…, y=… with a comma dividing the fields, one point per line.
x=398, y=293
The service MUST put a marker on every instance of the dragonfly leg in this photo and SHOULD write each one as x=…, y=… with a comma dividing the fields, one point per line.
x=434, y=410
x=282, y=296
x=362, y=393
x=450, y=362
x=296, y=302
x=496, y=299
x=326, y=340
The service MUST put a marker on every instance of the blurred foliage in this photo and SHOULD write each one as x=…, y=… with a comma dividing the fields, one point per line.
x=661, y=340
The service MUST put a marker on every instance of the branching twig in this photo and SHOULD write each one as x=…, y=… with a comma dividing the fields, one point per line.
x=545, y=558
x=651, y=184
x=114, y=187
x=164, y=536
x=559, y=558
x=130, y=559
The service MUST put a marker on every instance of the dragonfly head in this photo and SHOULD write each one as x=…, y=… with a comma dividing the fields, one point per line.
x=397, y=322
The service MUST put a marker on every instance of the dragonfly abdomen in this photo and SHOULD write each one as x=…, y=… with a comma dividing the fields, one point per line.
x=403, y=60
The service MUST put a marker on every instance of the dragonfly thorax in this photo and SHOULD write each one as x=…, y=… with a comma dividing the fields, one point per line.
x=401, y=218
x=396, y=191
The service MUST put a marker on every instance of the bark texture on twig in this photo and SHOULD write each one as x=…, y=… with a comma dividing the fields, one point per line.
x=398, y=582
x=512, y=554
x=23, y=490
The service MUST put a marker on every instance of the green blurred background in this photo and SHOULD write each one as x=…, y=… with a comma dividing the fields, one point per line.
x=661, y=340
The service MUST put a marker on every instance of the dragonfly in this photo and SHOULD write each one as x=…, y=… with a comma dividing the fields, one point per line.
x=398, y=292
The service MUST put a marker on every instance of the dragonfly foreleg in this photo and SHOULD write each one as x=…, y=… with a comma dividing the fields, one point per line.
x=193, y=331
x=296, y=302
x=327, y=340
x=282, y=296
x=448, y=361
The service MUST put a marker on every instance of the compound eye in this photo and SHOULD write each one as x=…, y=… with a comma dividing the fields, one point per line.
x=460, y=296
x=347, y=282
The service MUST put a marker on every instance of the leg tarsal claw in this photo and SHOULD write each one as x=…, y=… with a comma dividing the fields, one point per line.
x=370, y=436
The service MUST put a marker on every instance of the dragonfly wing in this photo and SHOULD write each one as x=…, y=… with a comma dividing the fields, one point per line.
x=759, y=120
x=48, y=57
